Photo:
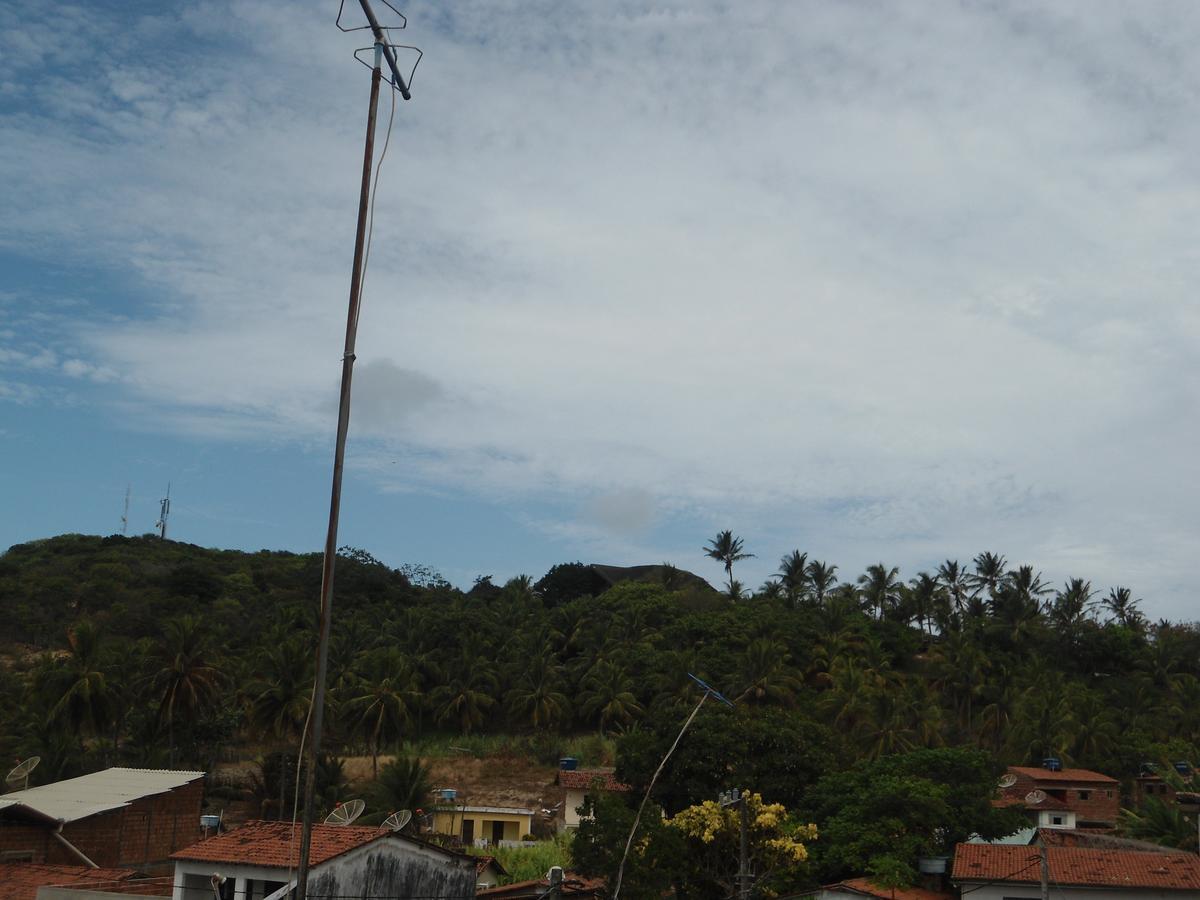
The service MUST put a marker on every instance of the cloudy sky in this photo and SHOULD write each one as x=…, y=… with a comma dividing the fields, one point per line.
x=879, y=281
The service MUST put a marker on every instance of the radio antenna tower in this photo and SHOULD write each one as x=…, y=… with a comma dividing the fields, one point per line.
x=164, y=510
x=125, y=515
x=384, y=52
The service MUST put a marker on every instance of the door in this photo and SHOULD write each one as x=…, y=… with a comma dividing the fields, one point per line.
x=497, y=832
x=468, y=832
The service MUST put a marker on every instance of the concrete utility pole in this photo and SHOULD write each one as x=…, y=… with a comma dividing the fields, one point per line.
x=1045, y=865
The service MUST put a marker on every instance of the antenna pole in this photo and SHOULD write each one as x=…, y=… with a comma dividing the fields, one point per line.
x=339, y=455
x=164, y=510
x=125, y=515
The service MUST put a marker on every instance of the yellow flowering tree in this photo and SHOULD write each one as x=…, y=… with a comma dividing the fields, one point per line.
x=713, y=832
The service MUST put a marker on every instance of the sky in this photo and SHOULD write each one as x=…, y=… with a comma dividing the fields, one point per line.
x=881, y=282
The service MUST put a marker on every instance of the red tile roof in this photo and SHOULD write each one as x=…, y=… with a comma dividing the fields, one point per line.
x=20, y=881
x=582, y=779
x=1077, y=866
x=866, y=886
x=1039, y=774
x=277, y=844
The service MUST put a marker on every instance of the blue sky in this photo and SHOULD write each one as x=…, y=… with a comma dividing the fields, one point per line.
x=881, y=282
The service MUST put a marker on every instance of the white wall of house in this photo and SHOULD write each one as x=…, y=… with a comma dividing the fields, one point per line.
x=571, y=817
x=1056, y=818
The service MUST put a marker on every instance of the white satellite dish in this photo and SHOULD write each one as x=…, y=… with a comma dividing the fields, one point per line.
x=1007, y=781
x=397, y=820
x=21, y=772
x=1035, y=797
x=345, y=813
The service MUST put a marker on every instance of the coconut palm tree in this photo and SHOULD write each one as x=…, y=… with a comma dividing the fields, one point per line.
x=822, y=578
x=793, y=576
x=538, y=696
x=879, y=588
x=766, y=674
x=608, y=696
x=990, y=570
x=955, y=580
x=1124, y=608
x=727, y=549
x=83, y=703
x=383, y=700
x=187, y=682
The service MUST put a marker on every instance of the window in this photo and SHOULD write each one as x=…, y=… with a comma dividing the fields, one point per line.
x=1056, y=820
x=1085, y=795
x=1108, y=794
x=17, y=856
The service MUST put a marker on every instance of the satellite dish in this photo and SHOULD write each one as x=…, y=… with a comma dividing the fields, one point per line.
x=345, y=813
x=21, y=772
x=1007, y=781
x=397, y=820
x=1035, y=797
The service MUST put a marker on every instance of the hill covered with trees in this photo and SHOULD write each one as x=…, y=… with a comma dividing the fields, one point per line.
x=148, y=652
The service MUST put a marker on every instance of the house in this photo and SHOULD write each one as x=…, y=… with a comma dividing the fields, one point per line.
x=1046, y=812
x=22, y=880
x=572, y=886
x=858, y=888
x=577, y=783
x=117, y=818
x=484, y=826
x=1149, y=783
x=1078, y=798
x=488, y=872
x=1008, y=872
x=258, y=860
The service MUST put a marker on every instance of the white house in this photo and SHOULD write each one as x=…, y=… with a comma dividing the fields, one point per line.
x=577, y=783
x=258, y=861
x=1011, y=872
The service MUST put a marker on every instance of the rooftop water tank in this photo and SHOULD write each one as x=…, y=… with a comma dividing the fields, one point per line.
x=210, y=821
x=568, y=763
x=1053, y=763
x=932, y=865
x=447, y=793
x=1183, y=768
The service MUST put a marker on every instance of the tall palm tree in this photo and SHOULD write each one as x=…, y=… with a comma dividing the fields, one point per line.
x=822, y=578
x=608, y=696
x=990, y=569
x=955, y=580
x=1124, y=608
x=726, y=549
x=879, y=588
x=384, y=699
x=538, y=697
x=924, y=594
x=793, y=575
x=1072, y=607
x=766, y=674
x=187, y=682
x=83, y=692
x=469, y=693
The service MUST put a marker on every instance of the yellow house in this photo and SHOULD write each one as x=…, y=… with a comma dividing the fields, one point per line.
x=483, y=825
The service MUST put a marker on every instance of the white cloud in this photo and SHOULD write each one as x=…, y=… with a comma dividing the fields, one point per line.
x=917, y=277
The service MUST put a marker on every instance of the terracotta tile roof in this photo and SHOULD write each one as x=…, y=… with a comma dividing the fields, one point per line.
x=870, y=889
x=1039, y=774
x=277, y=844
x=582, y=779
x=482, y=862
x=1077, y=866
x=20, y=881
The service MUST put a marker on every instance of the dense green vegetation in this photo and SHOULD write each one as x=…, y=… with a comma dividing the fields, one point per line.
x=150, y=652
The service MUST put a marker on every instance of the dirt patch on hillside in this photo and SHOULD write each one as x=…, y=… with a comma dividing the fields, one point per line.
x=486, y=781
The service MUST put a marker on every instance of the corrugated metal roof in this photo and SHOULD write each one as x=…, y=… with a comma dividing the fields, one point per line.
x=78, y=798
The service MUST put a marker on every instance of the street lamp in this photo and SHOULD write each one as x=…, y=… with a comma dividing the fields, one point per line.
x=744, y=878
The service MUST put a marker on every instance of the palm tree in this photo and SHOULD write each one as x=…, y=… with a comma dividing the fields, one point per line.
x=879, y=587
x=187, y=682
x=821, y=579
x=955, y=580
x=727, y=549
x=468, y=695
x=1121, y=604
x=767, y=674
x=608, y=695
x=403, y=783
x=538, y=696
x=1071, y=608
x=924, y=594
x=83, y=692
x=793, y=575
x=990, y=569
x=384, y=699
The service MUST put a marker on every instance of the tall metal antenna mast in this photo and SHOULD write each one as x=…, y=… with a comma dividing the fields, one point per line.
x=164, y=510
x=125, y=515
x=384, y=51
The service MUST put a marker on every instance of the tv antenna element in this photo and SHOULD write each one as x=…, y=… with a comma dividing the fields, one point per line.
x=125, y=515
x=345, y=813
x=1007, y=781
x=397, y=820
x=1034, y=797
x=21, y=772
